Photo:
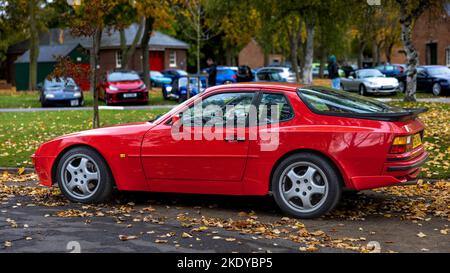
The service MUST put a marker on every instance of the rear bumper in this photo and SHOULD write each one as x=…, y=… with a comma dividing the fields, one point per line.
x=394, y=173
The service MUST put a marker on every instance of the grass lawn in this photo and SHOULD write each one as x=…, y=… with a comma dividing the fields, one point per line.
x=21, y=133
x=31, y=99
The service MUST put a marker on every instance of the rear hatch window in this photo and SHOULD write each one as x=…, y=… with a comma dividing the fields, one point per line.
x=327, y=101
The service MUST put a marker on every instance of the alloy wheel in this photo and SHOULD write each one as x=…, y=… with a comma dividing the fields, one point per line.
x=80, y=176
x=303, y=187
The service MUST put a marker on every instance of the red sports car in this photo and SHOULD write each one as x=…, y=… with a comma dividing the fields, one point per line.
x=303, y=144
x=124, y=86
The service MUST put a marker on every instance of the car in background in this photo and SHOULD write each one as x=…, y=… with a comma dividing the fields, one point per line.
x=275, y=74
x=434, y=78
x=174, y=73
x=367, y=81
x=123, y=86
x=60, y=92
x=326, y=141
x=392, y=70
x=157, y=79
x=179, y=88
x=226, y=75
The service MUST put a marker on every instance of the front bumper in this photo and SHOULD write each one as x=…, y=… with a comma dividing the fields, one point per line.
x=43, y=168
x=383, y=89
x=119, y=97
x=63, y=101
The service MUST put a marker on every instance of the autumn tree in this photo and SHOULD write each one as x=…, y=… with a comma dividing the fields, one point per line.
x=89, y=20
x=237, y=23
x=154, y=14
x=410, y=11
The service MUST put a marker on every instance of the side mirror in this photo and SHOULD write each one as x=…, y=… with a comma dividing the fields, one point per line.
x=176, y=119
x=351, y=77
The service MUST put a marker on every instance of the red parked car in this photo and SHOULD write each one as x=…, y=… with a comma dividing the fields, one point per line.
x=325, y=141
x=121, y=87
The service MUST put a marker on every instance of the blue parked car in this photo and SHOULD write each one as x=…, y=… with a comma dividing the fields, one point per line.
x=178, y=89
x=174, y=73
x=225, y=74
x=158, y=79
x=59, y=92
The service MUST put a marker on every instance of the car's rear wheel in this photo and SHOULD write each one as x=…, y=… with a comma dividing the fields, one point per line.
x=402, y=86
x=228, y=82
x=362, y=90
x=306, y=185
x=83, y=176
x=437, y=89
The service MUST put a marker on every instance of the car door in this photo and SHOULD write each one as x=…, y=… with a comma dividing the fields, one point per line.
x=201, y=154
x=423, y=79
x=350, y=81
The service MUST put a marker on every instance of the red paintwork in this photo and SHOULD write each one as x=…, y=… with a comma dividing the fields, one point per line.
x=155, y=162
x=116, y=96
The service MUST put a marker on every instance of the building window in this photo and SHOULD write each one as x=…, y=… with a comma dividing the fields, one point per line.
x=447, y=54
x=119, y=59
x=173, y=59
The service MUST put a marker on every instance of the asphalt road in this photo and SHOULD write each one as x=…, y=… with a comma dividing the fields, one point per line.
x=33, y=219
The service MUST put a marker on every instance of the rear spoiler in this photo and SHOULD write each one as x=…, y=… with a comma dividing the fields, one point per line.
x=408, y=114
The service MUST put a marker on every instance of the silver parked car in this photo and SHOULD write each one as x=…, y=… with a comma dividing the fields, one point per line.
x=275, y=74
x=369, y=81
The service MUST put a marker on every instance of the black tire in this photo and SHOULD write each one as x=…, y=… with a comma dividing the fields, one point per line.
x=362, y=90
x=182, y=98
x=402, y=86
x=437, y=89
x=105, y=184
x=164, y=93
x=333, y=178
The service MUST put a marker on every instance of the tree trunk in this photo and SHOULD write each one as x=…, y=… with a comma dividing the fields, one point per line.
x=388, y=52
x=309, y=53
x=411, y=55
x=97, y=38
x=127, y=52
x=34, y=45
x=294, y=35
x=323, y=62
x=362, y=47
x=148, y=28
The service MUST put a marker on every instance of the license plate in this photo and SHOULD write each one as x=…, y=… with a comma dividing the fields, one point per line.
x=74, y=103
x=130, y=95
x=417, y=140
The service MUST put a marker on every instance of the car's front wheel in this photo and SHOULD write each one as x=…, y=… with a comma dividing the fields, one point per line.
x=437, y=89
x=306, y=185
x=402, y=86
x=363, y=90
x=83, y=176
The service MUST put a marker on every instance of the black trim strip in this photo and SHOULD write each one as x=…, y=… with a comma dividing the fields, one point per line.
x=407, y=168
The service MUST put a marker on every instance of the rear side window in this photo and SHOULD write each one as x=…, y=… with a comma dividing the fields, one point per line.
x=274, y=108
x=327, y=101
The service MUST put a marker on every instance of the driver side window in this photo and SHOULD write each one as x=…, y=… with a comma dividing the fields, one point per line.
x=231, y=108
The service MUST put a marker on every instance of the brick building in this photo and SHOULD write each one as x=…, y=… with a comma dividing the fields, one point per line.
x=165, y=51
x=253, y=55
x=431, y=37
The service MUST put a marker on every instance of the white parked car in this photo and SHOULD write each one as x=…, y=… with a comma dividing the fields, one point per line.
x=367, y=81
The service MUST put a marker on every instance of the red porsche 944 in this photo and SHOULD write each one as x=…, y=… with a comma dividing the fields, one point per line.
x=302, y=144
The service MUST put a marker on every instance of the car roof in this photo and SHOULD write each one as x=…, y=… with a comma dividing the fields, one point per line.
x=290, y=87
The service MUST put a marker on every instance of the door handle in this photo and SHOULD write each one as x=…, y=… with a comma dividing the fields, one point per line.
x=239, y=139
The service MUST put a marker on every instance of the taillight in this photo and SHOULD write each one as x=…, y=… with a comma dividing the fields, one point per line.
x=402, y=144
x=234, y=77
